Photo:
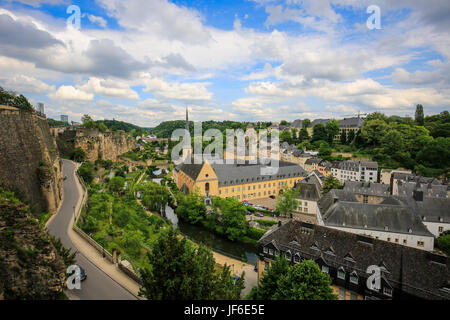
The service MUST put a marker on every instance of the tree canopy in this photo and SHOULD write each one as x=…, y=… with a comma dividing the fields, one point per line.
x=179, y=270
x=303, y=281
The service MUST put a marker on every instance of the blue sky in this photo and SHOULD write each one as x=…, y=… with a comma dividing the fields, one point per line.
x=247, y=60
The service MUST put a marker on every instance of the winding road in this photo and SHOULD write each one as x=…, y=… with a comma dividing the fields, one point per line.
x=98, y=285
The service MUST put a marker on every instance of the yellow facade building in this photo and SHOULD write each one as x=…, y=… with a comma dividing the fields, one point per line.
x=238, y=181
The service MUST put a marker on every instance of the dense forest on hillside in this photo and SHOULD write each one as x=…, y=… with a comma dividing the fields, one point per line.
x=165, y=129
x=121, y=125
x=421, y=144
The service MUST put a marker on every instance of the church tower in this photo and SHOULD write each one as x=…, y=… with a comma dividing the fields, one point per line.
x=187, y=148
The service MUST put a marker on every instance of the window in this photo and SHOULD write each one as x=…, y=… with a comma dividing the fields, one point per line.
x=441, y=229
x=389, y=239
x=341, y=273
x=297, y=258
x=271, y=252
x=325, y=268
x=232, y=190
x=405, y=241
x=387, y=291
x=366, y=199
x=354, y=278
x=420, y=243
x=288, y=255
x=396, y=240
x=266, y=250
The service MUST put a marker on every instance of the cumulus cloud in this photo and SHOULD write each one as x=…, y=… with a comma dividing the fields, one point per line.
x=70, y=93
x=26, y=84
x=109, y=88
x=187, y=91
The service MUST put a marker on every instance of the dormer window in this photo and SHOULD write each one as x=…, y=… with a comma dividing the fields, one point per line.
x=387, y=291
x=386, y=228
x=288, y=255
x=297, y=258
x=341, y=273
x=354, y=277
x=266, y=250
x=325, y=268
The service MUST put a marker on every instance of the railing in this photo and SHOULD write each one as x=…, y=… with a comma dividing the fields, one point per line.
x=128, y=271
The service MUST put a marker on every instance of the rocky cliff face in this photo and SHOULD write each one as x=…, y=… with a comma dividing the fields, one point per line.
x=30, y=162
x=30, y=267
x=103, y=145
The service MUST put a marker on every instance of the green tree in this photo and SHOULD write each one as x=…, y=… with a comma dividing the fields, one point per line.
x=319, y=133
x=178, y=270
x=325, y=149
x=303, y=281
x=191, y=208
x=102, y=127
x=443, y=242
x=343, y=137
x=306, y=123
x=86, y=171
x=21, y=102
x=78, y=155
x=154, y=196
x=392, y=142
x=116, y=184
x=332, y=129
x=286, y=202
x=351, y=136
x=303, y=135
x=419, y=115
x=436, y=154
x=233, y=217
x=88, y=122
x=373, y=131
x=331, y=182
x=269, y=282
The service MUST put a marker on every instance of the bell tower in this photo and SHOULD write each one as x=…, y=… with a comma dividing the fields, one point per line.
x=187, y=148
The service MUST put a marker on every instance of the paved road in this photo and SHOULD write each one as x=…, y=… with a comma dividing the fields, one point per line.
x=98, y=285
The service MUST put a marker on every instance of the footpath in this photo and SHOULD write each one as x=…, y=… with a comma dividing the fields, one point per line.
x=92, y=254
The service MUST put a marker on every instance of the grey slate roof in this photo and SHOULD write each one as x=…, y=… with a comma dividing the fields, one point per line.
x=308, y=191
x=313, y=160
x=339, y=208
x=192, y=170
x=413, y=271
x=351, y=123
x=429, y=189
x=297, y=123
x=321, y=121
x=234, y=174
x=408, y=177
x=368, y=188
x=430, y=209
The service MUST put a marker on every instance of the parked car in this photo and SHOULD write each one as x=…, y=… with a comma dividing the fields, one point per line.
x=249, y=213
x=258, y=214
x=83, y=274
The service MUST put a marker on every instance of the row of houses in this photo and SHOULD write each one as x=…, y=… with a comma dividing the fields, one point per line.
x=410, y=213
x=366, y=225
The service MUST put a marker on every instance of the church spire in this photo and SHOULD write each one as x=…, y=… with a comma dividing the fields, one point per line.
x=187, y=119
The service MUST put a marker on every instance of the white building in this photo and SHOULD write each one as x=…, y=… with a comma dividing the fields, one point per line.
x=386, y=174
x=355, y=171
x=392, y=222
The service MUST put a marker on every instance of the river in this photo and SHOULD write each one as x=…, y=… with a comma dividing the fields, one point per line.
x=238, y=250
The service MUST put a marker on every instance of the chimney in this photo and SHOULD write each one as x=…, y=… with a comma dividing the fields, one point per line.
x=418, y=195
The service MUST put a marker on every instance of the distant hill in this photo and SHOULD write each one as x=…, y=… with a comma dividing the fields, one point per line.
x=165, y=129
x=120, y=125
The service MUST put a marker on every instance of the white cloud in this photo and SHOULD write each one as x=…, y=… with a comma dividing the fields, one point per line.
x=71, y=93
x=26, y=84
x=109, y=88
x=188, y=91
